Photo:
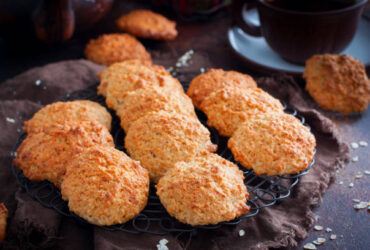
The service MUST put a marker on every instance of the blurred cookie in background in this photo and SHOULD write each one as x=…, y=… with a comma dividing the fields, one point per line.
x=147, y=24
x=111, y=48
x=337, y=83
x=3, y=223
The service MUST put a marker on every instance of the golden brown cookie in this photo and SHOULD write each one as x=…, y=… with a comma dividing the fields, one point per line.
x=3, y=223
x=338, y=83
x=204, y=84
x=116, y=69
x=136, y=104
x=44, y=154
x=206, y=190
x=147, y=24
x=158, y=140
x=129, y=77
x=105, y=186
x=273, y=144
x=60, y=112
x=111, y=48
x=227, y=108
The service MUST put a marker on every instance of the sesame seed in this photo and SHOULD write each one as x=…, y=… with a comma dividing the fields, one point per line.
x=202, y=70
x=351, y=185
x=318, y=228
x=356, y=200
x=354, y=145
x=328, y=229
x=367, y=172
x=13, y=154
x=37, y=82
x=341, y=183
x=363, y=143
x=355, y=158
x=10, y=120
x=333, y=236
x=361, y=205
x=241, y=233
x=309, y=246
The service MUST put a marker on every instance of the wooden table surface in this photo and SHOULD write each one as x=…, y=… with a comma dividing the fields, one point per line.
x=208, y=40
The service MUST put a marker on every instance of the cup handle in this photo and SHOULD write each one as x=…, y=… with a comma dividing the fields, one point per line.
x=247, y=26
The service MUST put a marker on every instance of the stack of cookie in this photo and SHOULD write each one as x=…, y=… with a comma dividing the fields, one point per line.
x=163, y=133
x=69, y=144
x=263, y=137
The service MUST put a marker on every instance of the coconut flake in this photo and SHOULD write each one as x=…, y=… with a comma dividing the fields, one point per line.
x=309, y=246
x=10, y=120
x=162, y=245
x=361, y=205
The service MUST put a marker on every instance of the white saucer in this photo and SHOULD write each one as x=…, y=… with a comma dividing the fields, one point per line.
x=260, y=57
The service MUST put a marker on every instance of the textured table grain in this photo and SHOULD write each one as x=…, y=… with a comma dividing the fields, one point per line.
x=208, y=40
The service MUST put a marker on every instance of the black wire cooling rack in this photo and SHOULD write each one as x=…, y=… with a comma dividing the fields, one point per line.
x=264, y=191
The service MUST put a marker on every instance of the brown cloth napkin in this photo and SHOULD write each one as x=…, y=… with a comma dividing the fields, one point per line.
x=34, y=226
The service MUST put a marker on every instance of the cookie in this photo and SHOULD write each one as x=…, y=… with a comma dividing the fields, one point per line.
x=136, y=104
x=227, y=108
x=110, y=73
x=273, y=144
x=105, y=187
x=44, y=154
x=337, y=83
x=160, y=139
x=204, y=84
x=111, y=48
x=76, y=111
x=129, y=77
x=147, y=24
x=206, y=190
x=3, y=223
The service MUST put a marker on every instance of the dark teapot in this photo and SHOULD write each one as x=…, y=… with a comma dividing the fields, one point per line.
x=50, y=20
